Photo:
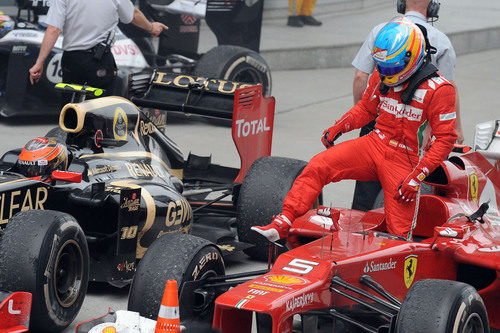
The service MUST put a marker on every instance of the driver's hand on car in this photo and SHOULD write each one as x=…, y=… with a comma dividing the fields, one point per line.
x=36, y=72
x=157, y=28
x=407, y=191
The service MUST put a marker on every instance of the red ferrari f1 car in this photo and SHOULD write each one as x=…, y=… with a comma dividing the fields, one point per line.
x=345, y=273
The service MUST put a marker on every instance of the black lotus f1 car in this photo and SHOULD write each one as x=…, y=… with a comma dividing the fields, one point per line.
x=127, y=184
x=236, y=25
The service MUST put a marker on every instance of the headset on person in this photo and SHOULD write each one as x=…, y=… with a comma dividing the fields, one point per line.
x=432, y=9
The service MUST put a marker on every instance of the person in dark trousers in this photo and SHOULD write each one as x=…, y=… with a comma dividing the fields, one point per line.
x=88, y=27
x=418, y=11
x=300, y=13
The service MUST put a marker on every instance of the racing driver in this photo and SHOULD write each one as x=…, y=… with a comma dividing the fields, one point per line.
x=413, y=102
x=41, y=156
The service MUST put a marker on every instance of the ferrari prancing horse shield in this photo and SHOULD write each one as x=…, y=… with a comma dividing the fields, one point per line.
x=410, y=267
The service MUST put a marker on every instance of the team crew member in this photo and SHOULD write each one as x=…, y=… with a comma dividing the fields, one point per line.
x=394, y=152
x=300, y=13
x=418, y=11
x=88, y=27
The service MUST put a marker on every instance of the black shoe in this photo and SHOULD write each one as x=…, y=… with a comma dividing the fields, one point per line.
x=309, y=20
x=295, y=21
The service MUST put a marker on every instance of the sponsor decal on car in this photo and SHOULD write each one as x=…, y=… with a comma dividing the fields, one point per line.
x=273, y=285
x=410, y=268
x=267, y=288
x=374, y=266
x=246, y=128
x=300, y=301
x=258, y=292
x=120, y=125
x=183, y=81
x=145, y=170
x=132, y=204
x=244, y=301
x=474, y=187
x=146, y=128
x=127, y=266
x=21, y=200
x=285, y=279
x=102, y=169
x=178, y=212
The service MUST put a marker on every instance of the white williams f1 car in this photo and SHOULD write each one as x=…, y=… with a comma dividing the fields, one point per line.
x=21, y=38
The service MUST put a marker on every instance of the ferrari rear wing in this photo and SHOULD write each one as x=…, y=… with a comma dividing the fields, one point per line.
x=252, y=114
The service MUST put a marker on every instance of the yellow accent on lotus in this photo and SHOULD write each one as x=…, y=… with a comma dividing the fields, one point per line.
x=75, y=87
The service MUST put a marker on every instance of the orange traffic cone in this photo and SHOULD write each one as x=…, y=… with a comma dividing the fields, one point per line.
x=168, y=316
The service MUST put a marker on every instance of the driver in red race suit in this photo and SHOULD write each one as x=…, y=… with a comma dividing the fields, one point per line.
x=413, y=102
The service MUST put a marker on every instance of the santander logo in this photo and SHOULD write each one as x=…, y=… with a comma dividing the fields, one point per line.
x=399, y=110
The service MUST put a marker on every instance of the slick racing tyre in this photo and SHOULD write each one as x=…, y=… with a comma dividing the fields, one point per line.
x=182, y=258
x=45, y=253
x=58, y=134
x=235, y=63
x=261, y=197
x=442, y=306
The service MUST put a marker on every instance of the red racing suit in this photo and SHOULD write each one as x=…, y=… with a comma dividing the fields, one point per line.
x=389, y=153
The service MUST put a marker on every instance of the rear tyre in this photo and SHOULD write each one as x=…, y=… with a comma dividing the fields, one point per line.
x=442, y=306
x=45, y=253
x=179, y=257
x=261, y=197
x=235, y=63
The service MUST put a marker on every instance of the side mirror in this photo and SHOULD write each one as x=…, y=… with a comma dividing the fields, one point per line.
x=73, y=177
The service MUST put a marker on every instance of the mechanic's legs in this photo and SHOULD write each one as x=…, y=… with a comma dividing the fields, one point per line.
x=392, y=171
x=347, y=160
x=294, y=8
x=365, y=193
x=80, y=67
x=305, y=13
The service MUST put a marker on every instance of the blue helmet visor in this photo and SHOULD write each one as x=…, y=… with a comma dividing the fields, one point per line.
x=390, y=71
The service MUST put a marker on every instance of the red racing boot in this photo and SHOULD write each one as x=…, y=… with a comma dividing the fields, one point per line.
x=276, y=230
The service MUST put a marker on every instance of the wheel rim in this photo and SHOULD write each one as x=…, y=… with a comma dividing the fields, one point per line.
x=68, y=273
x=200, y=306
x=247, y=75
x=474, y=324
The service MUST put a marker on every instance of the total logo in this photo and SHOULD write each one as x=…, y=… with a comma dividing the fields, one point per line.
x=246, y=128
x=299, y=302
x=373, y=266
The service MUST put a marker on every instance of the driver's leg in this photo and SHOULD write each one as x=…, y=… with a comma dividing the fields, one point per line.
x=392, y=170
x=353, y=159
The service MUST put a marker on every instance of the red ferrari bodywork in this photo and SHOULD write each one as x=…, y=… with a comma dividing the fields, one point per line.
x=14, y=311
x=445, y=246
